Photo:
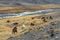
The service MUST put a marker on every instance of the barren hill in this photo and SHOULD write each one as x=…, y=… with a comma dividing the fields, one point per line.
x=19, y=9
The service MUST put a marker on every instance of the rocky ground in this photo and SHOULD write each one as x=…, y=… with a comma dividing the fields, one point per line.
x=30, y=27
x=41, y=34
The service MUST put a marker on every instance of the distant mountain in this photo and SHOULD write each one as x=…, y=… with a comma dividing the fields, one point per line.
x=28, y=2
x=35, y=1
x=42, y=1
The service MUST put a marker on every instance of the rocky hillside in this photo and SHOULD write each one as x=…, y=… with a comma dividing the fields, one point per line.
x=38, y=31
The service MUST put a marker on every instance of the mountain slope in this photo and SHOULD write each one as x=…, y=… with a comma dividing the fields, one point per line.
x=34, y=1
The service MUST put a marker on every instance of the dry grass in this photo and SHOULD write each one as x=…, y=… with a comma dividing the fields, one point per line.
x=6, y=30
